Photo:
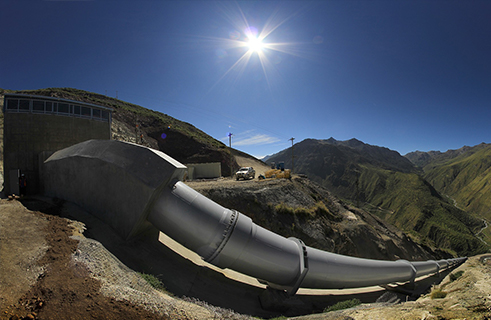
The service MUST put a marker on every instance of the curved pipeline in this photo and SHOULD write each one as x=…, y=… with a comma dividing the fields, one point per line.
x=223, y=237
x=229, y=239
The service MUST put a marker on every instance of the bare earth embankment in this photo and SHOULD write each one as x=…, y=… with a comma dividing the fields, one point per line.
x=50, y=270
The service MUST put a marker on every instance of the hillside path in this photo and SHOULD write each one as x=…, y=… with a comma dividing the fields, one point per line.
x=258, y=165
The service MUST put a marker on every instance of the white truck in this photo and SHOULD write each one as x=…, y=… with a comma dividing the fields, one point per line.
x=245, y=173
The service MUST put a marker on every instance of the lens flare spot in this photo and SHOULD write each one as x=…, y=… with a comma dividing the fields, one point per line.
x=221, y=53
x=234, y=35
x=251, y=32
x=163, y=136
x=276, y=59
x=318, y=39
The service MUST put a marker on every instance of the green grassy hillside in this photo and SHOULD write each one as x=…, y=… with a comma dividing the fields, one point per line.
x=466, y=180
x=380, y=180
x=422, y=159
x=412, y=204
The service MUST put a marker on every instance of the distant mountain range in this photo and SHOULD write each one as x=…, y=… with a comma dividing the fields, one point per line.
x=396, y=189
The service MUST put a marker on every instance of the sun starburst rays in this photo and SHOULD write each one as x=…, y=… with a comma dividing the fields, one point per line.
x=251, y=50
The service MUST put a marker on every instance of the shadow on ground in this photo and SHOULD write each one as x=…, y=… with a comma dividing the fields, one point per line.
x=181, y=277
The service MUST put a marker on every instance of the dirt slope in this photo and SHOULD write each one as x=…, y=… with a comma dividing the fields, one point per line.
x=39, y=279
x=49, y=270
x=245, y=160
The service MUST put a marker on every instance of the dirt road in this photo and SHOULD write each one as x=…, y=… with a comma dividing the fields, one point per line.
x=260, y=167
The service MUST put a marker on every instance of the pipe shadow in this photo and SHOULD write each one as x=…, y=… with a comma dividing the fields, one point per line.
x=183, y=278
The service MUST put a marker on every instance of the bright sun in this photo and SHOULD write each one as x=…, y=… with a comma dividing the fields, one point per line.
x=255, y=44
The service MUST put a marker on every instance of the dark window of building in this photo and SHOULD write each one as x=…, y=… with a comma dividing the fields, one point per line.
x=76, y=110
x=49, y=106
x=23, y=105
x=12, y=104
x=38, y=106
x=105, y=115
x=63, y=108
x=86, y=112
x=96, y=113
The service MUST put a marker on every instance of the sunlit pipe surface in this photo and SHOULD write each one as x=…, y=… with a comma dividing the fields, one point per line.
x=131, y=187
x=229, y=239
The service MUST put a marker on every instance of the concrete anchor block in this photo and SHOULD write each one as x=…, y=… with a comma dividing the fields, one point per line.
x=116, y=181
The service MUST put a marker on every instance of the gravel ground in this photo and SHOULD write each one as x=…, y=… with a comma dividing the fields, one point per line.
x=121, y=283
x=50, y=270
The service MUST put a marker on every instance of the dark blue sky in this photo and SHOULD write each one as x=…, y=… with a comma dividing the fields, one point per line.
x=407, y=75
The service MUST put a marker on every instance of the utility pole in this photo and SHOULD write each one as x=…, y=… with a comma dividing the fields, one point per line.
x=292, y=151
x=137, y=129
x=230, y=134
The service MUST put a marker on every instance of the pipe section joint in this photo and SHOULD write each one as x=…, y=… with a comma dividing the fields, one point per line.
x=302, y=272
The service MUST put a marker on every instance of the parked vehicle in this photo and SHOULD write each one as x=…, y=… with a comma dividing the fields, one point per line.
x=245, y=173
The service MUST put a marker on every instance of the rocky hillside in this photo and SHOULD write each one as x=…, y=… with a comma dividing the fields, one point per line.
x=301, y=208
x=385, y=183
x=134, y=123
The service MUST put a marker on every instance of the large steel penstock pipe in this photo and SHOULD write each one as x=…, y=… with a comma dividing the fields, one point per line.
x=223, y=237
x=229, y=239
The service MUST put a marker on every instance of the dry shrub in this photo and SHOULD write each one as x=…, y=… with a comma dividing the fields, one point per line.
x=438, y=294
x=319, y=209
x=278, y=174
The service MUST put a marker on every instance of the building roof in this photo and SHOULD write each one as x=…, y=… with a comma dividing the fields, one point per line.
x=31, y=96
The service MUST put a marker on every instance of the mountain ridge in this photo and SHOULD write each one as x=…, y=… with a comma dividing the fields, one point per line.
x=387, y=184
x=423, y=158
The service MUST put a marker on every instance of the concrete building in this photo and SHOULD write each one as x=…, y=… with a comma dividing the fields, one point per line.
x=209, y=170
x=37, y=126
